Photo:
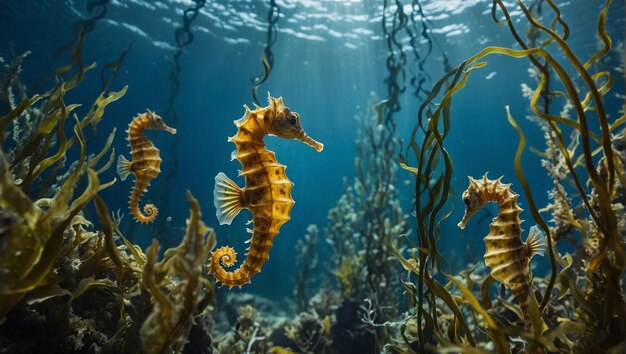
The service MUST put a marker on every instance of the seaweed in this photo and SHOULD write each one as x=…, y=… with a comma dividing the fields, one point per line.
x=599, y=162
x=168, y=325
x=267, y=56
x=183, y=37
x=57, y=269
x=33, y=241
x=97, y=9
x=86, y=288
x=368, y=220
x=306, y=263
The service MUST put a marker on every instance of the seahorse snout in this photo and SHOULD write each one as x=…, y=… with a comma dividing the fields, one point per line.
x=310, y=142
x=170, y=130
x=462, y=223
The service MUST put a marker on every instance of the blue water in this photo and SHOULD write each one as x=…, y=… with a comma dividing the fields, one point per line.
x=329, y=56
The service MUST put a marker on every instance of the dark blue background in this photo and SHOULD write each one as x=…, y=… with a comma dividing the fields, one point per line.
x=325, y=81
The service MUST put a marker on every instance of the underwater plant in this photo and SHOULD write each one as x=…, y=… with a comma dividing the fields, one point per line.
x=83, y=289
x=306, y=262
x=598, y=161
x=71, y=282
x=368, y=220
x=35, y=226
x=183, y=37
x=310, y=333
x=267, y=56
x=249, y=334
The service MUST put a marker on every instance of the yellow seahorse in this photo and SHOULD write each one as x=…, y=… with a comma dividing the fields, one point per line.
x=267, y=193
x=145, y=164
x=505, y=254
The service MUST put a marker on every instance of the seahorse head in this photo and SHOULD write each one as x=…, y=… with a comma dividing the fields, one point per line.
x=472, y=200
x=154, y=121
x=286, y=124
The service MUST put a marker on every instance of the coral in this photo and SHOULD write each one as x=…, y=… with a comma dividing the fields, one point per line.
x=368, y=219
x=349, y=334
x=349, y=274
x=310, y=333
x=326, y=301
x=247, y=336
x=368, y=216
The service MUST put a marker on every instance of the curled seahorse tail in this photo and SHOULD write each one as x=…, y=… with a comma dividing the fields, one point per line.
x=227, y=257
x=150, y=211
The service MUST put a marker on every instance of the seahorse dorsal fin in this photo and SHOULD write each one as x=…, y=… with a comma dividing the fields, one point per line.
x=124, y=167
x=536, y=242
x=228, y=199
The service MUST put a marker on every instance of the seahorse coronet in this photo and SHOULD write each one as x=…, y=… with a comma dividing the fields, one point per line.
x=267, y=191
x=506, y=254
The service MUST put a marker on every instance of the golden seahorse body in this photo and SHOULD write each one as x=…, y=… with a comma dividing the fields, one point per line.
x=267, y=193
x=505, y=253
x=145, y=164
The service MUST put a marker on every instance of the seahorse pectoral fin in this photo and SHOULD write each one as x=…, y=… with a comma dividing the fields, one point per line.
x=228, y=199
x=536, y=242
x=124, y=167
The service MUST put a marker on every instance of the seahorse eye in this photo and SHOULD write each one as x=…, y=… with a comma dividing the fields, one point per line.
x=293, y=118
x=466, y=201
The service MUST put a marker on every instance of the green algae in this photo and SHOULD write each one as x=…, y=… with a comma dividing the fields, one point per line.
x=427, y=145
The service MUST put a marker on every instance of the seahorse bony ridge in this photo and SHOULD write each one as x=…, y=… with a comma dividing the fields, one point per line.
x=145, y=163
x=505, y=253
x=267, y=192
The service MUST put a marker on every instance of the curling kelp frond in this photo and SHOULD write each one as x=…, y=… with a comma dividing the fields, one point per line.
x=53, y=262
x=34, y=236
x=267, y=56
x=600, y=160
x=42, y=216
x=368, y=219
x=172, y=315
x=30, y=250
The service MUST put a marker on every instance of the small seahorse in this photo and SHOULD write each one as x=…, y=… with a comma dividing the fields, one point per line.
x=145, y=164
x=505, y=253
x=267, y=193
